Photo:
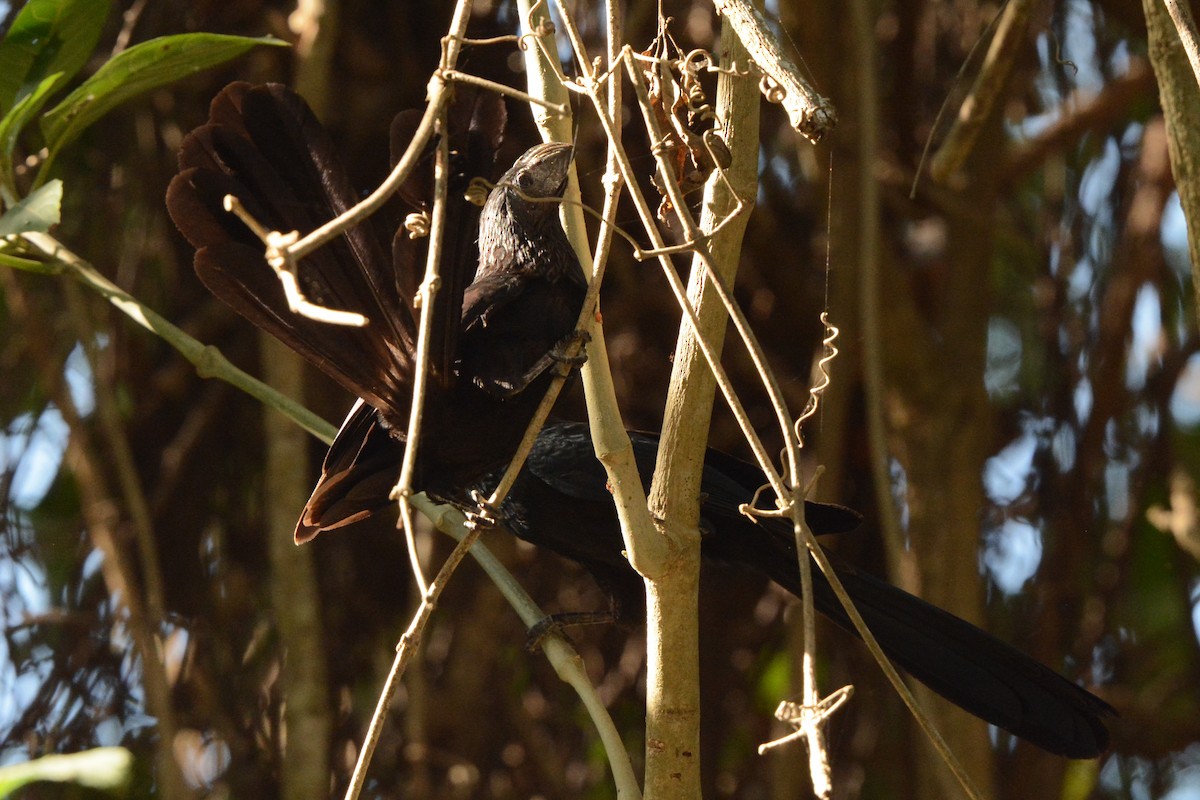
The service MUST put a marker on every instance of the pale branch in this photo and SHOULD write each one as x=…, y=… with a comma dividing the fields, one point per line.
x=284, y=250
x=425, y=300
x=562, y=656
x=285, y=267
x=809, y=113
x=675, y=493
x=208, y=360
x=647, y=552
x=987, y=91
x=453, y=75
x=1185, y=26
x=785, y=496
x=709, y=350
x=1180, y=100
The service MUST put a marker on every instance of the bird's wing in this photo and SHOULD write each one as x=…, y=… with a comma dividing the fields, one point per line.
x=486, y=295
x=563, y=459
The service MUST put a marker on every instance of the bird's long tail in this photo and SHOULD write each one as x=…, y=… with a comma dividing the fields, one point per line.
x=964, y=664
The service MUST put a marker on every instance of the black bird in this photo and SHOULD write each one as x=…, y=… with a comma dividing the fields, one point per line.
x=561, y=502
x=501, y=319
x=506, y=309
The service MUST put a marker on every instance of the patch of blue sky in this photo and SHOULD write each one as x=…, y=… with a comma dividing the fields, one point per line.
x=1012, y=554
x=1185, y=399
x=1100, y=178
x=1145, y=347
x=1007, y=475
x=1083, y=401
x=1079, y=45
x=1116, y=489
x=33, y=446
x=80, y=381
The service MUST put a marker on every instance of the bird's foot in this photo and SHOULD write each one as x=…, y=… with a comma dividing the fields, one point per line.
x=484, y=515
x=560, y=352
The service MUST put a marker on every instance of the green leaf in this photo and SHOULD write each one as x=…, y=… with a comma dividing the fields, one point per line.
x=139, y=69
x=26, y=109
x=37, y=212
x=47, y=37
x=105, y=768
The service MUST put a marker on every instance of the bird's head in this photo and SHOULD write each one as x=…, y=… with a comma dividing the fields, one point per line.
x=519, y=229
x=540, y=173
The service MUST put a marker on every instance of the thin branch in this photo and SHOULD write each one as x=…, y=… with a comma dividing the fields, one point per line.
x=986, y=93
x=710, y=352
x=1185, y=25
x=286, y=270
x=562, y=656
x=809, y=113
x=426, y=296
x=453, y=75
x=675, y=493
x=646, y=551
x=208, y=360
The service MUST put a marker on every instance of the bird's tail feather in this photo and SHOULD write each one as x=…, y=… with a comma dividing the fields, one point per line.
x=966, y=665
x=263, y=145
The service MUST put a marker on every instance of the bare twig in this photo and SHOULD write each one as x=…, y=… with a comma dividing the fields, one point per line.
x=425, y=298
x=810, y=113
x=674, y=496
x=646, y=551
x=561, y=109
x=562, y=656
x=285, y=267
x=804, y=717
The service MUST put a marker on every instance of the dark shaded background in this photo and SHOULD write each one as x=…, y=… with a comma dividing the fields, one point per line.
x=1038, y=393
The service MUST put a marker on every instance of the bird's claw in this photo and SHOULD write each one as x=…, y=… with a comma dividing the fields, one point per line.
x=569, y=362
x=484, y=515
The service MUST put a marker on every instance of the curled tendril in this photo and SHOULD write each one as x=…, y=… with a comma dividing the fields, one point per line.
x=477, y=191
x=417, y=225
x=545, y=26
x=771, y=90
x=814, y=394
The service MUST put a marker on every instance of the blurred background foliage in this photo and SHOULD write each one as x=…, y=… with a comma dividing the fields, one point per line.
x=1039, y=401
